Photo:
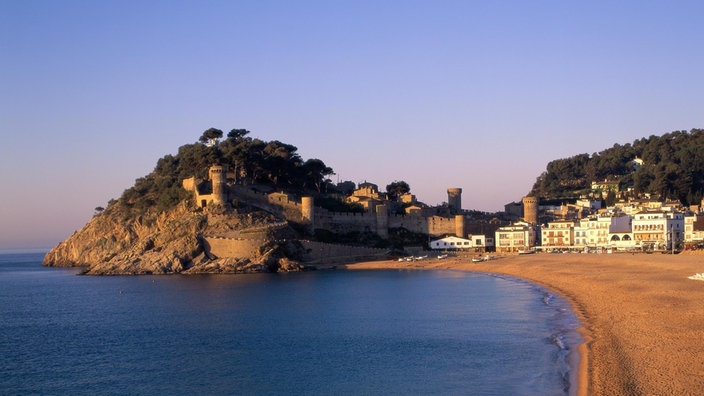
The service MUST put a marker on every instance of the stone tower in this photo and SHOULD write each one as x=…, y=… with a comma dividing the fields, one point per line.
x=308, y=213
x=382, y=221
x=454, y=199
x=217, y=178
x=459, y=226
x=530, y=210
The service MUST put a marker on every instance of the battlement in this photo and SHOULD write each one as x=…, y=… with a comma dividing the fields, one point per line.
x=303, y=211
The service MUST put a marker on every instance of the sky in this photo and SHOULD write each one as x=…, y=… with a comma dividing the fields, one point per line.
x=479, y=95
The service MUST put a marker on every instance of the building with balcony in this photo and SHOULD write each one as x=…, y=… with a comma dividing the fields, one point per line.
x=557, y=234
x=515, y=237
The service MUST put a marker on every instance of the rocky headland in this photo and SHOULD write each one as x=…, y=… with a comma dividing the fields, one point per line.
x=120, y=242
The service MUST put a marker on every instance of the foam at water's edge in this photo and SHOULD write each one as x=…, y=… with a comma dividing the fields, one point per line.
x=568, y=337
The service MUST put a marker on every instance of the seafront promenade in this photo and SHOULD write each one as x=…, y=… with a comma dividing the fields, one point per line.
x=643, y=318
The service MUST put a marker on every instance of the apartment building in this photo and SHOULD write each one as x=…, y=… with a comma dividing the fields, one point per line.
x=515, y=237
x=657, y=229
x=694, y=229
x=557, y=234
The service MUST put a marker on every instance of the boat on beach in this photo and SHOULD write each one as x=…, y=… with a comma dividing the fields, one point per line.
x=697, y=277
x=479, y=259
x=526, y=251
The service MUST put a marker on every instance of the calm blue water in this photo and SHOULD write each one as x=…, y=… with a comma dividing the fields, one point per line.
x=314, y=333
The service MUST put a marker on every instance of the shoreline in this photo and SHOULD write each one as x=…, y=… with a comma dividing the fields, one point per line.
x=641, y=319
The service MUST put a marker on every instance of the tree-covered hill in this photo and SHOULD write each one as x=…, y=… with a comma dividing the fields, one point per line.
x=154, y=228
x=672, y=167
x=252, y=160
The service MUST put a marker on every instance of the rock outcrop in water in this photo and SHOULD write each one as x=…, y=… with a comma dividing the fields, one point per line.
x=118, y=242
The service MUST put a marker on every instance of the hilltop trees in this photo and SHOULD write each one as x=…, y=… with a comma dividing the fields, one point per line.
x=251, y=160
x=211, y=136
x=314, y=174
x=237, y=134
x=397, y=188
x=673, y=167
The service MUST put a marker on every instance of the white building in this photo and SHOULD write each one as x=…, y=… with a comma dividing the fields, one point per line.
x=604, y=231
x=476, y=242
x=480, y=241
x=621, y=233
x=593, y=231
x=515, y=237
x=593, y=204
x=693, y=229
x=656, y=230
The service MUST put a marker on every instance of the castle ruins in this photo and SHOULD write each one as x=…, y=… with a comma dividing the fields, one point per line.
x=376, y=218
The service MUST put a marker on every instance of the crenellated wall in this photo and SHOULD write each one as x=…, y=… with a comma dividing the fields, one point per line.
x=344, y=222
x=438, y=225
x=412, y=222
x=378, y=221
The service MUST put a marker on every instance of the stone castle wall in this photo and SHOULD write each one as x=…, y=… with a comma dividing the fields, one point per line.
x=438, y=225
x=232, y=247
x=344, y=222
x=347, y=222
x=329, y=253
x=411, y=222
x=316, y=252
x=275, y=202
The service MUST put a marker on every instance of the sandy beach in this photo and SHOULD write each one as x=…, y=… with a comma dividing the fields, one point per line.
x=643, y=318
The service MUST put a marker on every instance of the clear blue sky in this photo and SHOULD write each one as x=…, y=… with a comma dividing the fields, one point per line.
x=472, y=94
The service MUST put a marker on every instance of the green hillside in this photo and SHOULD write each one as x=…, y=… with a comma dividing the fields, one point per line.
x=672, y=167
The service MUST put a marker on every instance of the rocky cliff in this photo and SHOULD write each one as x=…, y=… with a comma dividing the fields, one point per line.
x=119, y=241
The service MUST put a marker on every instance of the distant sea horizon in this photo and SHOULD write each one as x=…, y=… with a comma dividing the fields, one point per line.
x=24, y=250
x=320, y=332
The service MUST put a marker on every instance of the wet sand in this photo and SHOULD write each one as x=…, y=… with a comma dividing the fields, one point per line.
x=643, y=318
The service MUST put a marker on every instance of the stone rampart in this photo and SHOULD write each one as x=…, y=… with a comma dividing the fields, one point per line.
x=316, y=252
x=434, y=225
x=411, y=222
x=232, y=247
x=438, y=225
x=274, y=202
x=343, y=223
x=329, y=253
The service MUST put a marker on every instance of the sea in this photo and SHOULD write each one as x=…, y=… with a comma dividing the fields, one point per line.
x=336, y=332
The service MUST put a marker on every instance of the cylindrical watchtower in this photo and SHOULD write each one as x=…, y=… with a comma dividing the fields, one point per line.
x=459, y=226
x=308, y=212
x=454, y=199
x=382, y=221
x=530, y=210
x=217, y=179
